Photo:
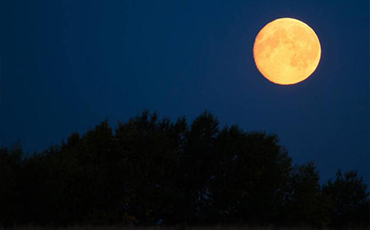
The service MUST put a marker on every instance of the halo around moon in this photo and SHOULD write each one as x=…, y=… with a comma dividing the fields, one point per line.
x=287, y=51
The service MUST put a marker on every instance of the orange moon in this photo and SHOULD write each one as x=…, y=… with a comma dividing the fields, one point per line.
x=287, y=51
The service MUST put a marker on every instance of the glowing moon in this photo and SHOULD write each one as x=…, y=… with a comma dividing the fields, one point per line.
x=287, y=51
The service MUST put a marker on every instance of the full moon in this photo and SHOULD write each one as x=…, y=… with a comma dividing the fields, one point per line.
x=286, y=51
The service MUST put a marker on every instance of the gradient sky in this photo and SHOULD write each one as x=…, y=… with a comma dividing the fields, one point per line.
x=67, y=65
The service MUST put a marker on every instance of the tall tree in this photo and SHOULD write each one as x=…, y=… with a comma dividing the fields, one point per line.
x=196, y=166
x=252, y=176
x=149, y=149
x=349, y=198
x=305, y=206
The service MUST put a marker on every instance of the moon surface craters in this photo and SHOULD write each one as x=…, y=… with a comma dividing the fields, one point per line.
x=286, y=51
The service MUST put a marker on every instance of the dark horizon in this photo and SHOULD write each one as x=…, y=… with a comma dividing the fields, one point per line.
x=158, y=172
x=114, y=126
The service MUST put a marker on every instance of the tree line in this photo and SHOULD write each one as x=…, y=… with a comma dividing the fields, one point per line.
x=152, y=171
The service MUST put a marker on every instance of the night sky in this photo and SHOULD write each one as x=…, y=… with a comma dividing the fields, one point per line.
x=67, y=65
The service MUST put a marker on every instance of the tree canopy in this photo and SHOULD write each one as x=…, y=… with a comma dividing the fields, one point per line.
x=150, y=171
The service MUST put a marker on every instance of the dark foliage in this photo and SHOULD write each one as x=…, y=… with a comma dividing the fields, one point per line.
x=348, y=199
x=154, y=171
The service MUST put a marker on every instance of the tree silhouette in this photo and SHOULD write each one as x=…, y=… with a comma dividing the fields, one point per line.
x=150, y=171
x=251, y=179
x=349, y=200
x=195, y=168
x=10, y=168
x=305, y=206
x=150, y=151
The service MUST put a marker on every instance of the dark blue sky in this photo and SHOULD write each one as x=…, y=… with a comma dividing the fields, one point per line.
x=67, y=65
